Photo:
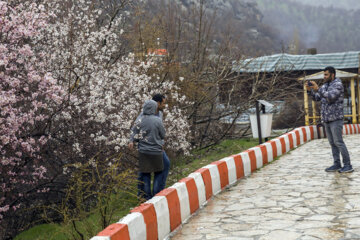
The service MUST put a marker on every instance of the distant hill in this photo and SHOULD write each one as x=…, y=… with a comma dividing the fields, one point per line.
x=325, y=28
x=241, y=21
x=270, y=26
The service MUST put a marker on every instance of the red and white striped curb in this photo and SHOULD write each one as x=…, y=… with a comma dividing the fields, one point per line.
x=159, y=216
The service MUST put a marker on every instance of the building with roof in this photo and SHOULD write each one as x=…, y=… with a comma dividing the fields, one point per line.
x=157, y=52
x=348, y=61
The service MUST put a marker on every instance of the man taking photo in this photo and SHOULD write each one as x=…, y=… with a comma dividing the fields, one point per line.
x=331, y=96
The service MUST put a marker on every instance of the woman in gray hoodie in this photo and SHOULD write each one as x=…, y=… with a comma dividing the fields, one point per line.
x=149, y=132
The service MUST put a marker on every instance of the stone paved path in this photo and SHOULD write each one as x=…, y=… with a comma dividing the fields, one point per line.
x=291, y=198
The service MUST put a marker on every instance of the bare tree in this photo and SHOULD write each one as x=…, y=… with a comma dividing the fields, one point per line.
x=202, y=53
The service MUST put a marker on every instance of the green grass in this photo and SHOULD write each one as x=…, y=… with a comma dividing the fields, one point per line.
x=89, y=225
x=42, y=232
x=180, y=167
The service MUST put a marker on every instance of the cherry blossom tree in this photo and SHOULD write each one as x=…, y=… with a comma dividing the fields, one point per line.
x=29, y=97
x=70, y=90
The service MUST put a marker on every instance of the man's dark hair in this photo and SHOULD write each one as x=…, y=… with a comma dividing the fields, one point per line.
x=158, y=98
x=331, y=70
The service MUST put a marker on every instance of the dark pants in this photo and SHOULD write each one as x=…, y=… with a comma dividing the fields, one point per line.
x=159, y=184
x=334, y=134
x=164, y=173
x=144, y=184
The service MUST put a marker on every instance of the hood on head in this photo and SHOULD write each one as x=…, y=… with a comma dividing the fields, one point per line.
x=149, y=107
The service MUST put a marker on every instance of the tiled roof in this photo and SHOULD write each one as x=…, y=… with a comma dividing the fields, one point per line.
x=288, y=62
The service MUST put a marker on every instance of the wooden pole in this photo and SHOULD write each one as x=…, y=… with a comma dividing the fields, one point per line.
x=306, y=106
x=313, y=111
x=353, y=101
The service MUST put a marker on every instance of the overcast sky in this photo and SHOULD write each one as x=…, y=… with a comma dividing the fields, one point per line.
x=346, y=4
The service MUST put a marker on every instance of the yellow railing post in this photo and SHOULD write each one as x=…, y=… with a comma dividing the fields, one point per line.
x=353, y=101
x=313, y=111
x=306, y=106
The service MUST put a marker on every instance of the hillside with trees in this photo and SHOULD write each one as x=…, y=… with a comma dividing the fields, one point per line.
x=238, y=22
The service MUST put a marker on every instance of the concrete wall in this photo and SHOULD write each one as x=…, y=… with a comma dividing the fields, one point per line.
x=159, y=216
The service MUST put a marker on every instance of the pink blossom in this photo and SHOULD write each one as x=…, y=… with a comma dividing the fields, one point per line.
x=26, y=51
x=27, y=90
x=4, y=208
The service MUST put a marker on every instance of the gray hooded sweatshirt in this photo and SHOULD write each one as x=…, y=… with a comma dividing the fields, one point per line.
x=149, y=130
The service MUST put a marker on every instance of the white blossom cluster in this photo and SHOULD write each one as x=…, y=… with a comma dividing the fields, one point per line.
x=108, y=89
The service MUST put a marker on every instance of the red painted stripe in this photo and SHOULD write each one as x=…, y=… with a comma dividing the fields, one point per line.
x=297, y=133
x=291, y=140
x=283, y=144
x=224, y=173
x=205, y=173
x=304, y=134
x=252, y=158
x=274, y=149
x=192, y=192
x=174, y=206
x=351, y=131
x=149, y=213
x=264, y=154
x=312, y=135
x=239, y=166
x=116, y=231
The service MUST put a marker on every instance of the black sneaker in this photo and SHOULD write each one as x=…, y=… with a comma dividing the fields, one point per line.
x=333, y=168
x=346, y=169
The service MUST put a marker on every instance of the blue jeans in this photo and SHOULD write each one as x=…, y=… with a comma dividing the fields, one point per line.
x=161, y=181
x=334, y=134
x=144, y=180
x=144, y=184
